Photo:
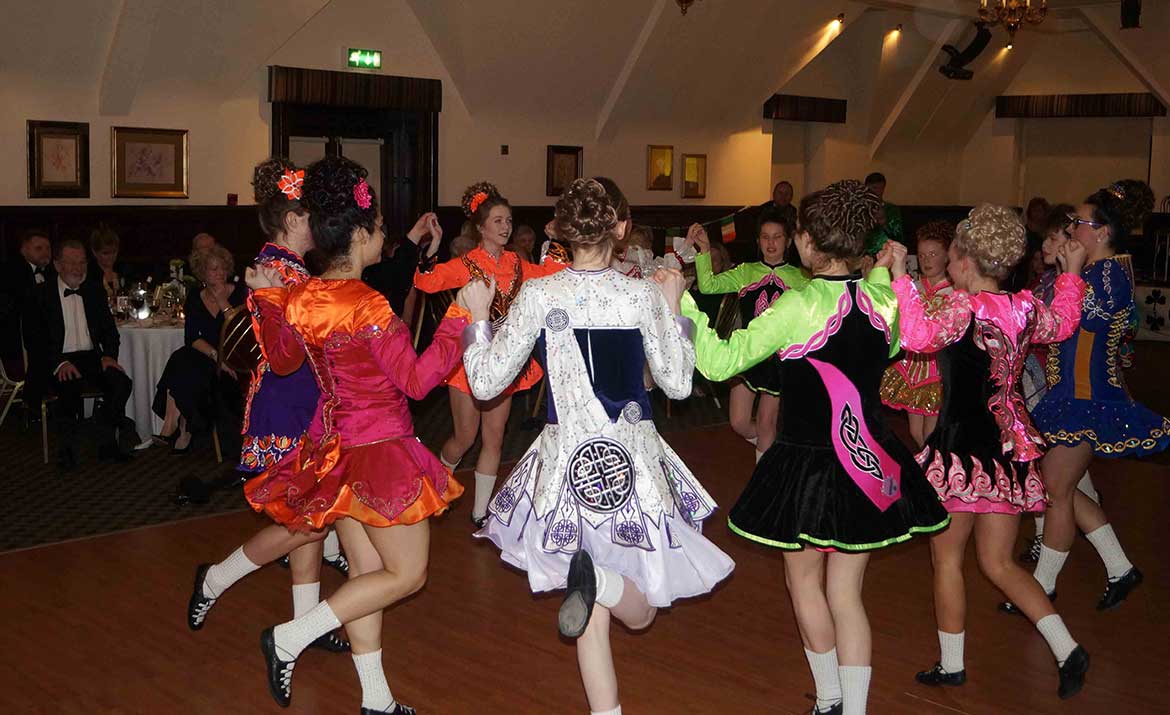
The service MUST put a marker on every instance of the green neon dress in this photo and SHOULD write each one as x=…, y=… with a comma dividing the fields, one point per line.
x=836, y=477
x=758, y=286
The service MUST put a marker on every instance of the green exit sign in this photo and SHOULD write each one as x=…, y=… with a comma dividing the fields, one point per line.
x=364, y=59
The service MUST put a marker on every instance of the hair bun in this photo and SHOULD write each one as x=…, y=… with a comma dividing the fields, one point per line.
x=476, y=194
x=585, y=213
x=1135, y=202
x=266, y=178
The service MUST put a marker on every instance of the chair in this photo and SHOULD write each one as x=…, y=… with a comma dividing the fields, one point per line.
x=239, y=351
x=432, y=308
x=12, y=388
x=85, y=395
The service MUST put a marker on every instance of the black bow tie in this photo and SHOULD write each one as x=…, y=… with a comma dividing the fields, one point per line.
x=38, y=271
x=71, y=291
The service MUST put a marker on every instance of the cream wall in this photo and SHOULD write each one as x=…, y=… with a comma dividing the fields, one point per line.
x=229, y=127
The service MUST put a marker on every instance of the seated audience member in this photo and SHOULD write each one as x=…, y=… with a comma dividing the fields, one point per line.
x=523, y=242
x=461, y=244
x=105, y=269
x=202, y=242
x=18, y=278
x=185, y=398
x=73, y=343
x=781, y=201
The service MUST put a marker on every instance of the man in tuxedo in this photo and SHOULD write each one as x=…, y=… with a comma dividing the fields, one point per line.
x=72, y=343
x=18, y=278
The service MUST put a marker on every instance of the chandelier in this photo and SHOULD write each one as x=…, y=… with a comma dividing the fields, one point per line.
x=1012, y=13
x=684, y=5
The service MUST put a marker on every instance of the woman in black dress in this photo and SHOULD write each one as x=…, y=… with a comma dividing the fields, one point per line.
x=184, y=395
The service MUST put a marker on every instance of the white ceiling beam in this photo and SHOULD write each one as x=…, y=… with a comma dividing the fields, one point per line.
x=127, y=56
x=930, y=61
x=623, y=77
x=1106, y=29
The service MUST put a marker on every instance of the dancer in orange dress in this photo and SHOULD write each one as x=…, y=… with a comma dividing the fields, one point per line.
x=491, y=217
x=359, y=466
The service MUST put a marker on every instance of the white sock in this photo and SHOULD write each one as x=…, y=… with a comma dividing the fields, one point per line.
x=825, y=677
x=332, y=546
x=854, y=687
x=1060, y=641
x=221, y=576
x=950, y=645
x=1048, y=567
x=610, y=586
x=1040, y=525
x=758, y=455
x=1109, y=548
x=615, y=711
x=1085, y=486
x=484, y=485
x=375, y=690
x=305, y=597
x=449, y=465
x=296, y=635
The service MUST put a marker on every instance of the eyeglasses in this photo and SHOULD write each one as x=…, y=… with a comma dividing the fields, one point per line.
x=1075, y=221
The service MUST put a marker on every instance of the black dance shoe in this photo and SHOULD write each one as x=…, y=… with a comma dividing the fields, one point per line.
x=332, y=641
x=1013, y=610
x=479, y=521
x=1031, y=554
x=338, y=562
x=573, y=617
x=937, y=676
x=279, y=671
x=838, y=709
x=1072, y=673
x=282, y=561
x=398, y=709
x=1118, y=590
x=198, y=606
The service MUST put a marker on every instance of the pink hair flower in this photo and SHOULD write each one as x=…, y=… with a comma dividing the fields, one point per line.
x=361, y=194
x=290, y=184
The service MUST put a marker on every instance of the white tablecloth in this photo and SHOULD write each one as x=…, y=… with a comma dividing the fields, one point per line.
x=144, y=354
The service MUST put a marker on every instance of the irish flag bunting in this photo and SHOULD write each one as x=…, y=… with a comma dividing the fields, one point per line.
x=727, y=228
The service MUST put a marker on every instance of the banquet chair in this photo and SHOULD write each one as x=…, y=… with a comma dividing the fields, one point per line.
x=94, y=394
x=239, y=351
x=11, y=387
x=431, y=311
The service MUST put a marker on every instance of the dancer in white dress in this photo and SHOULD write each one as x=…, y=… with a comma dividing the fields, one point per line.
x=599, y=504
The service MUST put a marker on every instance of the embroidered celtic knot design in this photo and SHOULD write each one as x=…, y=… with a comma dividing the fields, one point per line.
x=601, y=475
x=859, y=452
x=563, y=532
x=557, y=319
x=629, y=532
x=632, y=413
x=505, y=499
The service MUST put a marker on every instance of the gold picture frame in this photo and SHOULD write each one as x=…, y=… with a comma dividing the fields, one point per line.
x=58, y=160
x=148, y=163
x=659, y=167
x=694, y=176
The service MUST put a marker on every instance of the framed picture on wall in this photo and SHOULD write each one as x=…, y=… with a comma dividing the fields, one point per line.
x=694, y=169
x=659, y=167
x=58, y=160
x=148, y=163
x=564, y=165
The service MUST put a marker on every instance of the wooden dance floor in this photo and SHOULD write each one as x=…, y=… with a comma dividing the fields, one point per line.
x=97, y=626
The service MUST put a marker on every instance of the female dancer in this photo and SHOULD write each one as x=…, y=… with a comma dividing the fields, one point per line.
x=913, y=384
x=1088, y=410
x=835, y=478
x=359, y=466
x=758, y=284
x=599, y=504
x=1032, y=380
x=276, y=414
x=491, y=218
x=982, y=458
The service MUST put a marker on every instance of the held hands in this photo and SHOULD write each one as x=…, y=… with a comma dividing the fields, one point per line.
x=672, y=284
x=109, y=362
x=427, y=224
x=697, y=235
x=1071, y=257
x=257, y=277
x=476, y=297
x=893, y=257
